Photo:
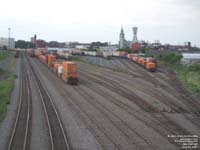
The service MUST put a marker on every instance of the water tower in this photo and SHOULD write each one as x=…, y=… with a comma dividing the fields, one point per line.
x=135, y=29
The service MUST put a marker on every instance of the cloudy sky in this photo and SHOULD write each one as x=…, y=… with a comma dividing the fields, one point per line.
x=170, y=21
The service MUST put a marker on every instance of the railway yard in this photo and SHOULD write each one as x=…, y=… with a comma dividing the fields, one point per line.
x=116, y=105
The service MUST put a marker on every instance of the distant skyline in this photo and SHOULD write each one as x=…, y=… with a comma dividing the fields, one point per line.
x=170, y=21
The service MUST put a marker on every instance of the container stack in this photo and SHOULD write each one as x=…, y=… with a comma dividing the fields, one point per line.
x=144, y=62
x=66, y=70
x=51, y=60
x=55, y=67
x=69, y=73
x=139, y=61
x=60, y=70
x=120, y=53
x=42, y=58
x=37, y=54
x=130, y=56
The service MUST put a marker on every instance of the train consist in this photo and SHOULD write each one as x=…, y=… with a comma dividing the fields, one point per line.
x=66, y=70
x=149, y=63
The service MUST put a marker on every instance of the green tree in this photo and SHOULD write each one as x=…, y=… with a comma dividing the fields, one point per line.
x=96, y=45
x=24, y=44
x=20, y=44
x=53, y=44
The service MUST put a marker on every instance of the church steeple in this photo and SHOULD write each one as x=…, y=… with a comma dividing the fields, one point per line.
x=122, y=30
x=121, y=39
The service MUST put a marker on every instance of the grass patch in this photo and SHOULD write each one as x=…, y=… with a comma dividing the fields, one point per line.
x=6, y=83
x=188, y=74
x=6, y=87
x=76, y=58
x=3, y=54
x=190, y=77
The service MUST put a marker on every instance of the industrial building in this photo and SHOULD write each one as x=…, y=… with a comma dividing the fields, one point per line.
x=107, y=50
x=4, y=42
x=190, y=58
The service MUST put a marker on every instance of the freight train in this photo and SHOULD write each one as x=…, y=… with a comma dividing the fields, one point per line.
x=66, y=70
x=149, y=63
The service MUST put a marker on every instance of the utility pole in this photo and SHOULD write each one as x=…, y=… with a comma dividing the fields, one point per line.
x=9, y=38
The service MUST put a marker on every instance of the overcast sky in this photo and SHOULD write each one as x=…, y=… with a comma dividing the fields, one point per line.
x=170, y=21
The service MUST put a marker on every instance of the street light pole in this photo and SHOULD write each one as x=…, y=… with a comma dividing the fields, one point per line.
x=9, y=38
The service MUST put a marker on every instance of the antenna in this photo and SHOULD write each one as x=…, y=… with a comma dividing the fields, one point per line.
x=9, y=38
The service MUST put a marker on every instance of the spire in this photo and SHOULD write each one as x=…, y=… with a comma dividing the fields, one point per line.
x=122, y=38
x=122, y=30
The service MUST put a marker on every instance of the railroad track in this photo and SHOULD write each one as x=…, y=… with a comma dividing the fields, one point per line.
x=94, y=125
x=73, y=102
x=129, y=132
x=185, y=98
x=57, y=134
x=162, y=124
x=114, y=86
x=170, y=124
x=173, y=81
x=173, y=128
x=20, y=137
x=162, y=98
x=175, y=108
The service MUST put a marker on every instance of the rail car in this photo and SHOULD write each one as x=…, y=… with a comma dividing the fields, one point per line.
x=66, y=56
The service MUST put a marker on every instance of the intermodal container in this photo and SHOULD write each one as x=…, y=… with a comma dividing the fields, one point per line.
x=42, y=58
x=51, y=59
x=69, y=73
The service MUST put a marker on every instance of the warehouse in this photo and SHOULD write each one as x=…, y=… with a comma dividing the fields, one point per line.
x=4, y=42
x=190, y=58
